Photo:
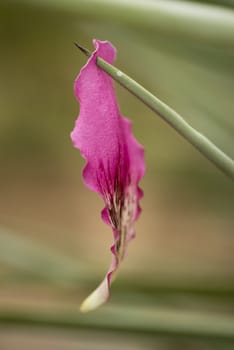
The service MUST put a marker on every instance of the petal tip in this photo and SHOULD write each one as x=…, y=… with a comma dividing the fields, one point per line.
x=96, y=298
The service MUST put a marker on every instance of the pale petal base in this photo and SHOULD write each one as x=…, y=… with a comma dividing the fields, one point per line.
x=96, y=298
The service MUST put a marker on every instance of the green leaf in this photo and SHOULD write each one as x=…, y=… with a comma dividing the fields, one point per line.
x=128, y=320
x=195, y=21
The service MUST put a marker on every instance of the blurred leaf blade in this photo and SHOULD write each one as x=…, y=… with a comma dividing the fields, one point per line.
x=127, y=320
x=196, y=21
x=42, y=263
x=28, y=256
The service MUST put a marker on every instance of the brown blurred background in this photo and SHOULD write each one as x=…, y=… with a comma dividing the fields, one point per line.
x=185, y=239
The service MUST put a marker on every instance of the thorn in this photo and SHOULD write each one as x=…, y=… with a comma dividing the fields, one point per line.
x=83, y=49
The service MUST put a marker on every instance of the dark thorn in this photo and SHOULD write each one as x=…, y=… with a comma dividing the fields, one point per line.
x=83, y=49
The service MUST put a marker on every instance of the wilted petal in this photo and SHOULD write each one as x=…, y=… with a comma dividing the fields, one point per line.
x=115, y=162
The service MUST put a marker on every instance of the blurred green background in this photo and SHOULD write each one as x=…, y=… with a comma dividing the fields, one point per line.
x=176, y=287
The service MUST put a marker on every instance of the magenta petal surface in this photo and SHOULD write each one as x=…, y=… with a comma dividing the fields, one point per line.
x=114, y=159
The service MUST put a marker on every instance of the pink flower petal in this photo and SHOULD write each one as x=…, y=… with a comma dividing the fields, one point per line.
x=115, y=160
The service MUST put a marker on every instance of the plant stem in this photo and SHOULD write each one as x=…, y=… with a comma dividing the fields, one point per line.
x=198, y=140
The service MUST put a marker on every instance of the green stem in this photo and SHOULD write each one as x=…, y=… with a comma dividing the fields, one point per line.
x=198, y=140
